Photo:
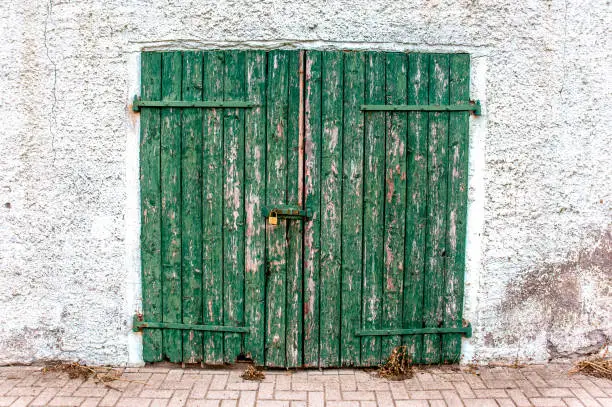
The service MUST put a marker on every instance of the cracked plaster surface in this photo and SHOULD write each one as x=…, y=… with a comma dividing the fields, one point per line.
x=540, y=170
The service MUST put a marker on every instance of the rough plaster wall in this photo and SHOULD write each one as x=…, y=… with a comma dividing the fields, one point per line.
x=539, y=256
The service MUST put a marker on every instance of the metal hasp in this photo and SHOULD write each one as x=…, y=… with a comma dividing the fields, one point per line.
x=473, y=106
x=285, y=212
x=137, y=104
x=139, y=325
x=466, y=331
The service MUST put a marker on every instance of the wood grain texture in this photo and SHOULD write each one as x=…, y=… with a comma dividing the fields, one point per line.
x=312, y=232
x=352, y=207
x=373, y=213
x=212, y=215
x=331, y=208
x=458, y=144
x=395, y=199
x=233, y=204
x=416, y=203
x=191, y=198
x=255, y=194
x=276, y=192
x=294, y=227
x=171, y=204
x=150, y=198
x=435, y=251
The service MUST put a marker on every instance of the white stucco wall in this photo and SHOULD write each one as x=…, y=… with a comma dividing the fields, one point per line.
x=539, y=245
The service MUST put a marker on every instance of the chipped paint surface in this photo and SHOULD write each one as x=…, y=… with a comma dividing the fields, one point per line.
x=312, y=135
x=254, y=197
x=539, y=160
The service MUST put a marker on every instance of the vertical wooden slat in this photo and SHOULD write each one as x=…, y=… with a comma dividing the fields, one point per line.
x=331, y=207
x=416, y=202
x=312, y=231
x=352, y=206
x=255, y=192
x=435, y=250
x=151, y=206
x=233, y=204
x=212, y=214
x=395, y=200
x=294, y=227
x=458, y=140
x=191, y=193
x=276, y=189
x=373, y=213
x=171, y=201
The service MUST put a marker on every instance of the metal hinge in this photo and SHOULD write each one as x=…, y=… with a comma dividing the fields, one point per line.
x=465, y=330
x=473, y=106
x=138, y=325
x=137, y=104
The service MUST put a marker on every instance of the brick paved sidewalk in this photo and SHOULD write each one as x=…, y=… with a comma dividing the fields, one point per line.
x=442, y=386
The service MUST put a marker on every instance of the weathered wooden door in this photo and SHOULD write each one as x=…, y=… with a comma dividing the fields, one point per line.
x=360, y=158
x=386, y=181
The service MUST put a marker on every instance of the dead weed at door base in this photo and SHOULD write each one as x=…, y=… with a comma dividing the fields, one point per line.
x=252, y=373
x=398, y=366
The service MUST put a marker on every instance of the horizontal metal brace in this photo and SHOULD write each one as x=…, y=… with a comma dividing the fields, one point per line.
x=285, y=211
x=140, y=325
x=138, y=104
x=466, y=330
x=470, y=107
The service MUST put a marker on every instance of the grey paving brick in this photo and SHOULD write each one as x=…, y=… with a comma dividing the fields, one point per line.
x=440, y=386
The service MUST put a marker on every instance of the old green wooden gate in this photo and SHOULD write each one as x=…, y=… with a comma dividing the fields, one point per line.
x=360, y=158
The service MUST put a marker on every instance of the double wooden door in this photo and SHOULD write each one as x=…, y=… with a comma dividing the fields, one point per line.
x=362, y=165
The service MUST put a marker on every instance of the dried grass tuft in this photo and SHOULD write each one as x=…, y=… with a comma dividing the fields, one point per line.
x=252, y=373
x=75, y=370
x=398, y=366
x=597, y=366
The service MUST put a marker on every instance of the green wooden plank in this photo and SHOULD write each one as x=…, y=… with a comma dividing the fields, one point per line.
x=294, y=227
x=191, y=198
x=276, y=161
x=395, y=200
x=416, y=203
x=458, y=139
x=150, y=199
x=233, y=209
x=435, y=250
x=255, y=193
x=331, y=207
x=312, y=229
x=373, y=213
x=352, y=207
x=171, y=203
x=212, y=211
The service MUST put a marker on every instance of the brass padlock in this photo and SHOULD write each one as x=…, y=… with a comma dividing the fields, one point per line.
x=273, y=218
